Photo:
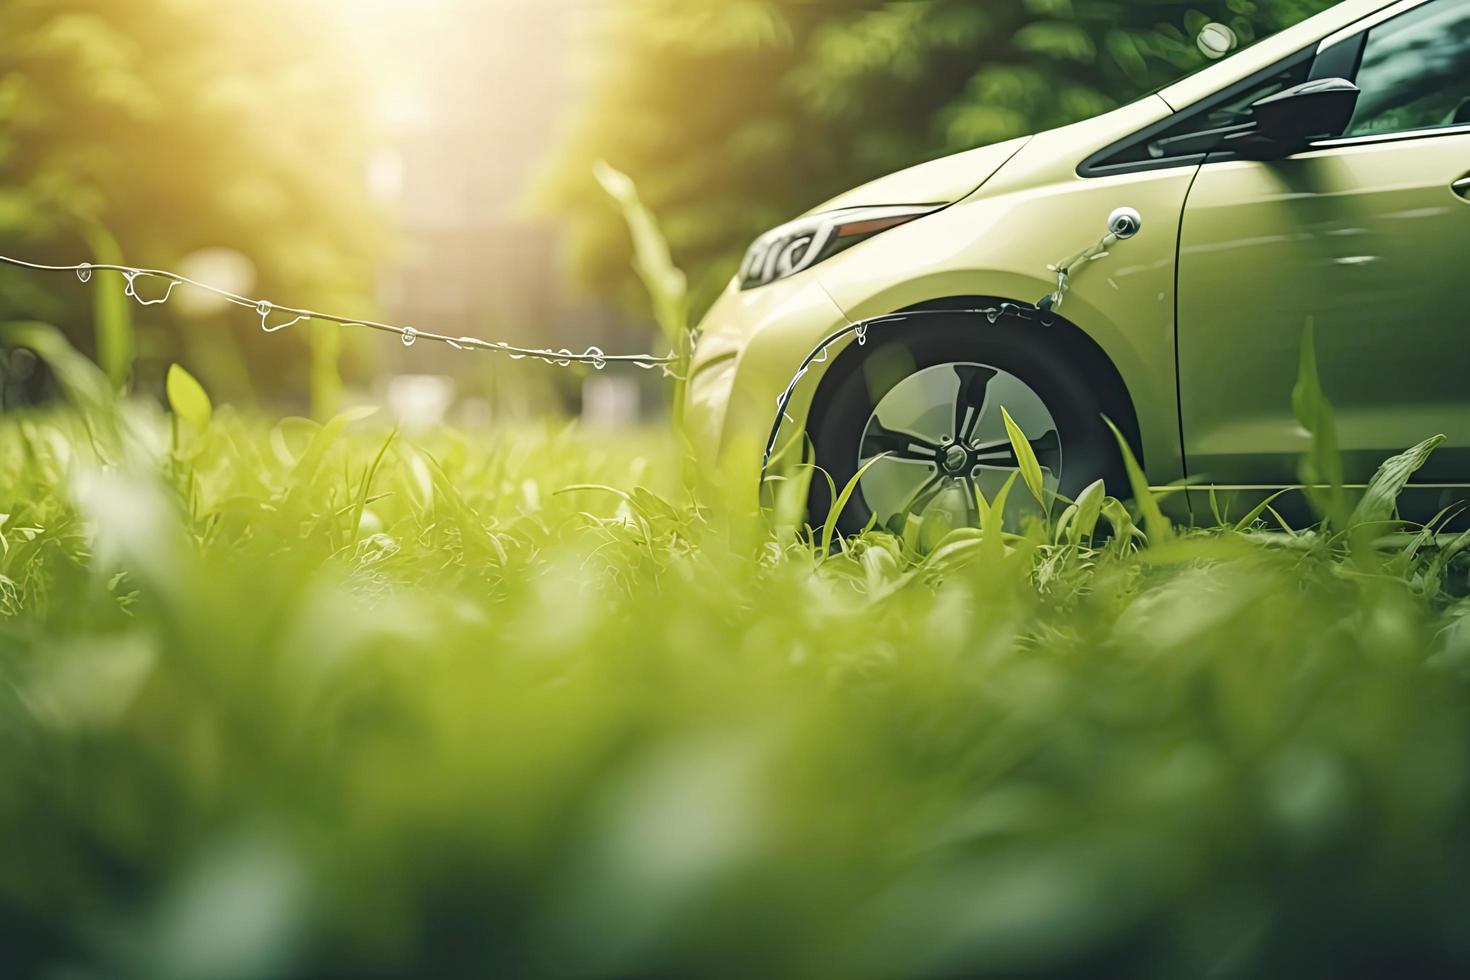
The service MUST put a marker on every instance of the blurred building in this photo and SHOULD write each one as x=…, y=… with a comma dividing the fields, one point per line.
x=471, y=96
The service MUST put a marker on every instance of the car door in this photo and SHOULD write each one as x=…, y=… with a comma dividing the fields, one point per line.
x=1368, y=237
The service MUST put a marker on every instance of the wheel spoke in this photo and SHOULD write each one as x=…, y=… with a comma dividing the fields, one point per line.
x=1000, y=454
x=969, y=404
x=898, y=445
x=920, y=498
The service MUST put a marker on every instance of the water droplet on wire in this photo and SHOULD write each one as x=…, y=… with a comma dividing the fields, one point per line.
x=289, y=316
x=265, y=308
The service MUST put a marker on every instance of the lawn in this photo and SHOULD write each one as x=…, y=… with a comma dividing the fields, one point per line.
x=289, y=699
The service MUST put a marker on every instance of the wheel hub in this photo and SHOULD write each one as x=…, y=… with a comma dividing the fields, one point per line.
x=956, y=458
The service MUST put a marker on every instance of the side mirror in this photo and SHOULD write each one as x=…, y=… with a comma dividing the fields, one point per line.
x=1286, y=122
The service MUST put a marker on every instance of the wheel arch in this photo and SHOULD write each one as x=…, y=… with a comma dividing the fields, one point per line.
x=1060, y=334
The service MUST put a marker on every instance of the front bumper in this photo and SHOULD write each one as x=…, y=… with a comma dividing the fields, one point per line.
x=750, y=343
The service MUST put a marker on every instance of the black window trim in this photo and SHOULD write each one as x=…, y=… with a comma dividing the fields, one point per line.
x=1097, y=165
x=1342, y=59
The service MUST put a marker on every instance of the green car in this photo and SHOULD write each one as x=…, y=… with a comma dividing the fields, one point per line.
x=1321, y=175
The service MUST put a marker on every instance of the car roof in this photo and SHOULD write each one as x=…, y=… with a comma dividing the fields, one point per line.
x=1266, y=53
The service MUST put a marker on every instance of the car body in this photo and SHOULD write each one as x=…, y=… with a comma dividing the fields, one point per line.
x=1200, y=316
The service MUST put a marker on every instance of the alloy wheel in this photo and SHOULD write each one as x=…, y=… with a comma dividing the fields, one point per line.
x=938, y=437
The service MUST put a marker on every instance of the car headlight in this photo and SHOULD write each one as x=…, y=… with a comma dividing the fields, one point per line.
x=806, y=241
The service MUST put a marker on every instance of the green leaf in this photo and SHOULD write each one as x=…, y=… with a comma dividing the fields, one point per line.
x=666, y=284
x=363, y=498
x=1307, y=397
x=982, y=506
x=882, y=563
x=1259, y=509
x=829, y=527
x=1322, y=471
x=1447, y=554
x=993, y=542
x=304, y=473
x=1089, y=509
x=112, y=314
x=1063, y=530
x=325, y=376
x=1124, y=529
x=1381, y=499
x=1057, y=39
x=792, y=492
x=955, y=550
x=187, y=398
x=1155, y=524
x=1025, y=457
x=945, y=512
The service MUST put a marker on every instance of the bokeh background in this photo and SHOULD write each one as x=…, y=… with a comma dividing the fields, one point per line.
x=430, y=161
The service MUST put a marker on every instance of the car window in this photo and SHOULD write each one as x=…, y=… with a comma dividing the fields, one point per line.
x=1416, y=71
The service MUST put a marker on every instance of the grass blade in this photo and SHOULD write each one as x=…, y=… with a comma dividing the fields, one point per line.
x=112, y=314
x=992, y=546
x=1321, y=469
x=1155, y=524
x=1025, y=458
x=1258, y=509
x=829, y=527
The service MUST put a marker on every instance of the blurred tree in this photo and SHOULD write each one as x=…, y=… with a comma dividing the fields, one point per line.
x=736, y=115
x=156, y=128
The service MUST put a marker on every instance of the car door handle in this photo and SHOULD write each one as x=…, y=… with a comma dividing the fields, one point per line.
x=1462, y=187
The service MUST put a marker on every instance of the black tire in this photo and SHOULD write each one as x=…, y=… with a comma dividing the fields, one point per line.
x=862, y=375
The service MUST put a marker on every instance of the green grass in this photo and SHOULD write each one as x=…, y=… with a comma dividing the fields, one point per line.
x=293, y=699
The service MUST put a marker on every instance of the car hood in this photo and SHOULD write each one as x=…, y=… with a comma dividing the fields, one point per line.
x=942, y=182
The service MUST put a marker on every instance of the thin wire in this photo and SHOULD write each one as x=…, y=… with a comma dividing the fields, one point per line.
x=290, y=316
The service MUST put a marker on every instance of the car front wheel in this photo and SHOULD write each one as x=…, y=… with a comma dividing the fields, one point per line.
x=920, y=408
